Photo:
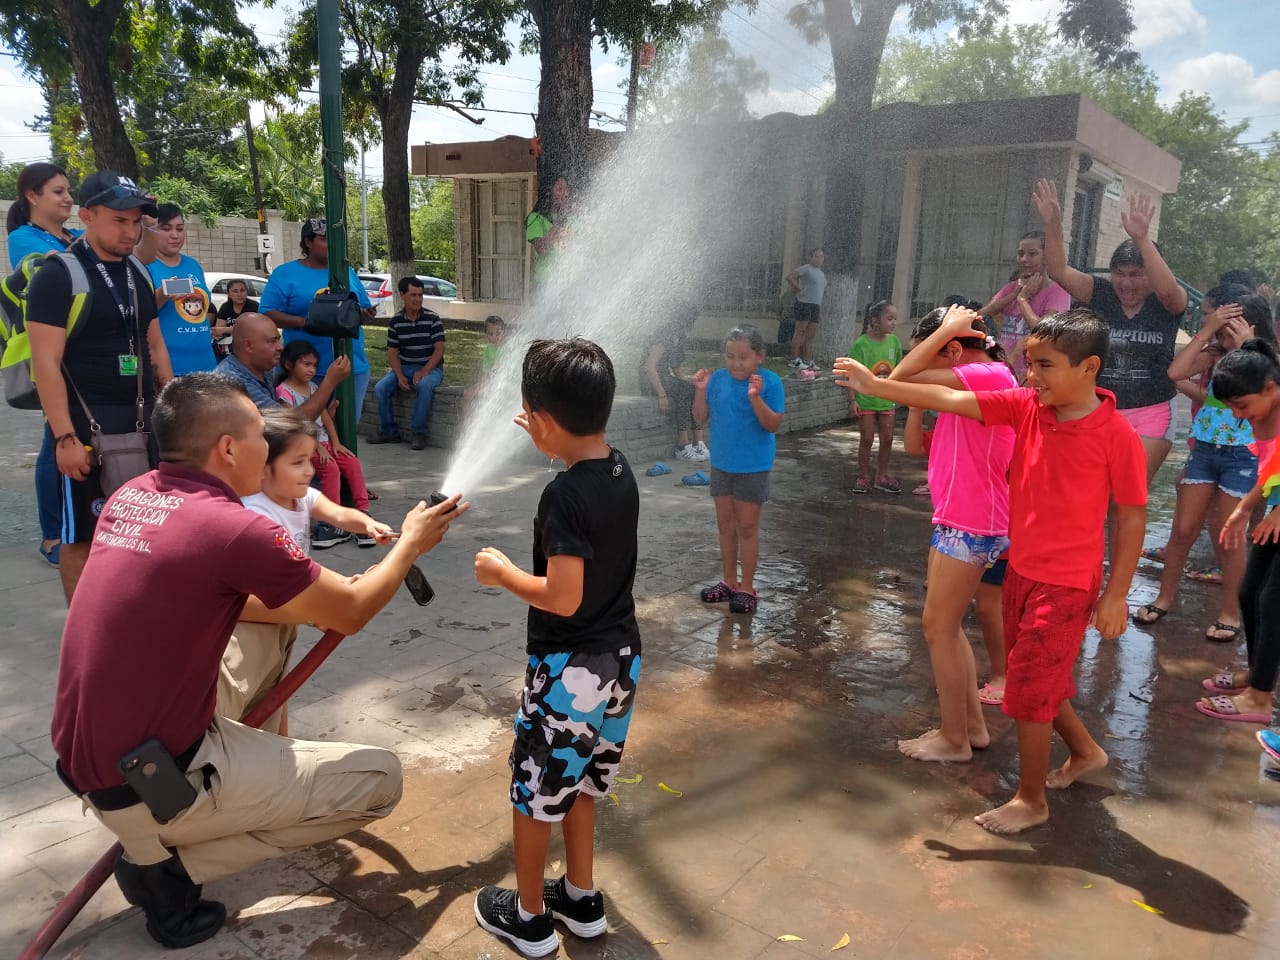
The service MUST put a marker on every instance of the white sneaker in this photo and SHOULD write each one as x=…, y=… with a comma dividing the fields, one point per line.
x=810, y=365
x=701, y=450
x=796, y=362
x=688, y=453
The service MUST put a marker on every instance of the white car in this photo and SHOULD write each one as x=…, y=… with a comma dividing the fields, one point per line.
x=218, y=286
x=438, y=294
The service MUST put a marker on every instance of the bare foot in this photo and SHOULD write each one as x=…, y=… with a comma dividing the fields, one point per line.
x=1074, y=769
x=931, y=746
x=979, y=740
x=1014, y=817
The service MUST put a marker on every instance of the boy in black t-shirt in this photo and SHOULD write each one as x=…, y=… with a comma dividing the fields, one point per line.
x=584, y=646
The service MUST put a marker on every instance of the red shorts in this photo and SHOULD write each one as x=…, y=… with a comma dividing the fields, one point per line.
x=1044, y=624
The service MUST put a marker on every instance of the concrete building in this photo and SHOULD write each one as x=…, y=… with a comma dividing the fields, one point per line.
x=947, y=199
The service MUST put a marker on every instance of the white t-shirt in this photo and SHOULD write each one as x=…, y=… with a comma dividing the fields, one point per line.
x=813, y=283
x=297, y=522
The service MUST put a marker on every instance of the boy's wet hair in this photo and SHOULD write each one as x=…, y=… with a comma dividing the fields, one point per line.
x=1126, y=255
x=1079, y=333
x=932, y=320
x=749, y=333
x=493, y=320
x=1245, y=371
x=193, y=411
x=571, y=381
x=282, y=427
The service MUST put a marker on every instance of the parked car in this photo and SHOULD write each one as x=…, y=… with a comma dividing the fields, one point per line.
x=438, y=294
x=218, y=286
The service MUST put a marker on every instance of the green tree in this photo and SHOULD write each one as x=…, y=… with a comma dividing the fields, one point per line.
x=109, y=50
x=563, y=31
x=397, y=58
x=699, y=80
x=433, y=221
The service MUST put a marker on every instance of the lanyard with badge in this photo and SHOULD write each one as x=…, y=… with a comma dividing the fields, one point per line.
x=128, y=311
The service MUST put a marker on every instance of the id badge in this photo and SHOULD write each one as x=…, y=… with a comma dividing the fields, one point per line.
x=128, y=364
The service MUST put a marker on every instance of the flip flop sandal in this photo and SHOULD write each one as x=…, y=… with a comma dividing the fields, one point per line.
x=1269, y=740
x=921, y=491
x=659, y=469
x=992, y=696
x=1222, y=683
x=696, y=479
x=1157, y=614
x=1154, y=554
x=1232, y=630
x=1224, y=708
x=1207, y=575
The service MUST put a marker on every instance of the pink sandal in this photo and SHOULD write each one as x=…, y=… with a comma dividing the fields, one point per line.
x=991, y=696
x=1225, y=708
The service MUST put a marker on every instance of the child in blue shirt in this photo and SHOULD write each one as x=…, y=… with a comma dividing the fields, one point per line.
x=744, y=404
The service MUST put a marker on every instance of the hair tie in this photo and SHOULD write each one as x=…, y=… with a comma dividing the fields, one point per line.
x=991, y=341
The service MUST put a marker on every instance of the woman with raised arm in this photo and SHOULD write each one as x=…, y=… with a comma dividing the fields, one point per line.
x=1142, y=302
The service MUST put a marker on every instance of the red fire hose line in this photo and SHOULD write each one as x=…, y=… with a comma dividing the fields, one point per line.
x=82, y=892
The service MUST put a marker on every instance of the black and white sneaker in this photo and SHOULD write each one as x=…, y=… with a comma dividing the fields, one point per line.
x=584, y=918
x=366, y=540
x=498, y=911
x=327, y=536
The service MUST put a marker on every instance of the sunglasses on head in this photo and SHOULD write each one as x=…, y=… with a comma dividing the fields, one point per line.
x=116, y=192
x=317, y=226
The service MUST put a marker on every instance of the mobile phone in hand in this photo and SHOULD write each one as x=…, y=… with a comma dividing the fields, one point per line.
x=177, y=286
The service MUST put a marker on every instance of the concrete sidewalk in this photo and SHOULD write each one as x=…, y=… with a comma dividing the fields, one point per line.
x=764, y=797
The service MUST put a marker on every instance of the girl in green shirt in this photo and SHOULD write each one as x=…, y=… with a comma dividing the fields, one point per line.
x=879, y=350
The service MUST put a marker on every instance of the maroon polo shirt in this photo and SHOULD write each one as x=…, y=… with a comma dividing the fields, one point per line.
x=174, y=557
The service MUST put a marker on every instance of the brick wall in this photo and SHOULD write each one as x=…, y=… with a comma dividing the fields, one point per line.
x=636, y=427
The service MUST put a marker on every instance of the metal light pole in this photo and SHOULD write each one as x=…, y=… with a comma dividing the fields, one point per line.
x=335, y=193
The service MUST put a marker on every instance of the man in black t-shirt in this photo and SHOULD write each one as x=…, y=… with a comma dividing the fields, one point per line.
x=115, y=338
x=584, y=645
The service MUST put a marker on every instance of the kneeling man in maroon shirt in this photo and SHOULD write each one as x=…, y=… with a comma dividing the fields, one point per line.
x=175, y=563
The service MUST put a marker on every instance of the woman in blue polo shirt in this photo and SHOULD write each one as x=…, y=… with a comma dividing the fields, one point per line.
x=184, y=318
x=289, y=292
x=37, y=224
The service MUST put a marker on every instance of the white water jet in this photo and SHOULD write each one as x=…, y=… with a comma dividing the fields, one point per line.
x=661, y=218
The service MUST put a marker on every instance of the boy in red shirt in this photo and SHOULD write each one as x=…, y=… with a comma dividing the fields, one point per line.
x=1072, y=454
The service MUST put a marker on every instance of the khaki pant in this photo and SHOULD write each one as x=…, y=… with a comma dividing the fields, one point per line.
x=267, y=795
x=253, y=663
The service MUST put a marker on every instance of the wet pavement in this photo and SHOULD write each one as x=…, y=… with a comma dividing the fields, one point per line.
x=761, y=795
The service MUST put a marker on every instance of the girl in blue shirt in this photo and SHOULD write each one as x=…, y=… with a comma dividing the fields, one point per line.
x=184, y=318
x=36, y=224
x=744, y=404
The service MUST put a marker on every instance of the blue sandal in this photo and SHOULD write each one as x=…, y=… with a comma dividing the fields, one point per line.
x=696, y=479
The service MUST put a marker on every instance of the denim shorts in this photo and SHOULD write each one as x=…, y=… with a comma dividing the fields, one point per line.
x=1234, y=470
x=980, y=550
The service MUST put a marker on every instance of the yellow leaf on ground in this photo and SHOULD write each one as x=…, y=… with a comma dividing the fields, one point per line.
x=790, y=938
x=841, y=943
x=614, y=798
x=636, y=779
x=1088, y=886
x=1148, y=907
x=671, y=790
x=659, y=942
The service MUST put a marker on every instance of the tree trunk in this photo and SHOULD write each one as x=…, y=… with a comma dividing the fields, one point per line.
x=88, y=30
x=395, y=112
x=856, y=51
x=564, y=95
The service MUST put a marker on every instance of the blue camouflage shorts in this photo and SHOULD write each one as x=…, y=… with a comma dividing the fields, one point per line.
x=570, y=729
x=980, y=550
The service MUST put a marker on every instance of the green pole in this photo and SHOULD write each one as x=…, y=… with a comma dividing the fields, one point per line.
x=335, y=193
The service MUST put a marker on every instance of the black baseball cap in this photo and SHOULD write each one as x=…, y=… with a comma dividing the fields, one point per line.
x=106, y=188
x=315, y=227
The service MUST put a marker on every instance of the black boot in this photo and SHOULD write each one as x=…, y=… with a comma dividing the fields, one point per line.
x=176, y=916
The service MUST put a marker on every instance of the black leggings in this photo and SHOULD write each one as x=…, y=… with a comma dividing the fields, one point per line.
x=1260, y=611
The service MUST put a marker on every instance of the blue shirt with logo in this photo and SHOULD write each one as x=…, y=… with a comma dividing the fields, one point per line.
x=738, y=443
x=185, y=323
x=291, y=288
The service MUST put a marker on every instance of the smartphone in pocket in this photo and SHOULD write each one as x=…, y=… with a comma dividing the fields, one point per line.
x=177, y=286
x=156, y=779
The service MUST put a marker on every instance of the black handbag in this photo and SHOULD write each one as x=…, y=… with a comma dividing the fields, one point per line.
x=334, y=315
